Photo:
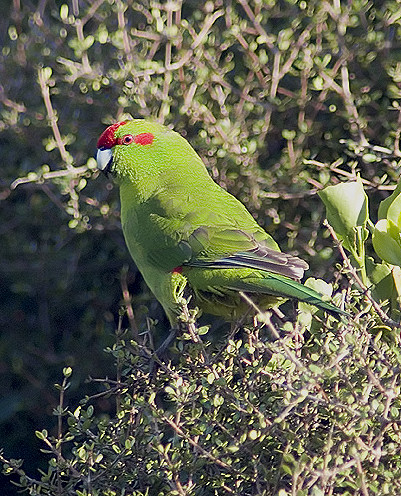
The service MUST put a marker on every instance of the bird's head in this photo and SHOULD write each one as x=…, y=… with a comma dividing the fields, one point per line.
x=125, y=144
x=139, y=147
x=147, y=157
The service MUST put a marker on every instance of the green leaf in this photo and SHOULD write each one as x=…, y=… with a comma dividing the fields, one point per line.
x=394, y=211
x=306, y=310
x=41, y=434
x=387, y=241
x=381, y=277
x=396, y=272
x=386, y=203
x=346, y=209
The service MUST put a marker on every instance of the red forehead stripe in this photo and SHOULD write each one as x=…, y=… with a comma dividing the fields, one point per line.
x=107, y=139
x=144, y=139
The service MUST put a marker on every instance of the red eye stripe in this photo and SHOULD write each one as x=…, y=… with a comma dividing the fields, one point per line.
x=125, y=140
x=139, y=139
x=144, y=139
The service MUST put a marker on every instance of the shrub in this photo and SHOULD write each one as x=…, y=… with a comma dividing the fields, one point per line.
x=281, y=99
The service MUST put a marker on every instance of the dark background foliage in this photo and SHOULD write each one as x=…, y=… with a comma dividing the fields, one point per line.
x=280, y=98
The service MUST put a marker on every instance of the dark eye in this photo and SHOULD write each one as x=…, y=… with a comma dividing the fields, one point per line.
x=127, y=139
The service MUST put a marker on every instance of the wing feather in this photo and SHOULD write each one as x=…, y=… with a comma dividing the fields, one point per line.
x=231, y=248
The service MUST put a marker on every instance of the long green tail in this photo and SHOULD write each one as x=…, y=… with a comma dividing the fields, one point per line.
x=274, y=284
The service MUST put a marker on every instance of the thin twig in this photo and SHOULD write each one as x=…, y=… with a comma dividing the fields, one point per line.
x=265, y=317
x=52, y=116
x=72, y=171
x=188, y=438
x=358, y=280
x=127, y=303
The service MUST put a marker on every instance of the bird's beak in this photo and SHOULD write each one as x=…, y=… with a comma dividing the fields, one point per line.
x=104, y=158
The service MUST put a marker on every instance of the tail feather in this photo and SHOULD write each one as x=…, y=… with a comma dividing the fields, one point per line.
x=274, y=284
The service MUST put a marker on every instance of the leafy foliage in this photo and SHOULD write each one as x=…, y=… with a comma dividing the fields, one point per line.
x=281, y=99
x=257, y=415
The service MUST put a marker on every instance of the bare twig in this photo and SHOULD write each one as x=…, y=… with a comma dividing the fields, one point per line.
x=72, y=171
x=358, y=280
x=127, y=303
x=188, y=438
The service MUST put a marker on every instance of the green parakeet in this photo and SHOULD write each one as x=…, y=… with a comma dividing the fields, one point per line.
x=184, y=230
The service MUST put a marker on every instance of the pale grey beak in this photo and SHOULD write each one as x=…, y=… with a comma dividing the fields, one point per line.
x=104, y=159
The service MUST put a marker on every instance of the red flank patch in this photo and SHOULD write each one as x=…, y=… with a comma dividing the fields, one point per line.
x=177, y=270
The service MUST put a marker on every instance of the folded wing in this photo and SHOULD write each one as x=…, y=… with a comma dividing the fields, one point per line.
x=233, y=248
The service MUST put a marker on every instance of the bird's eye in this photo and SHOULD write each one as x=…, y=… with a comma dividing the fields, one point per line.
x=127, y=139
x=139, y=139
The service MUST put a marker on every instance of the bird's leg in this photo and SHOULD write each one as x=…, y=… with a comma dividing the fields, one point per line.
x=179, y=284
x=299, y=339
x=156, y=357
x=167, y=342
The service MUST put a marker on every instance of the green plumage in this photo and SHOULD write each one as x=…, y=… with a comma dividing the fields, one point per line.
x=182, y=228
